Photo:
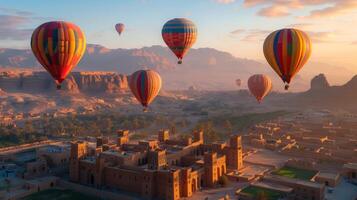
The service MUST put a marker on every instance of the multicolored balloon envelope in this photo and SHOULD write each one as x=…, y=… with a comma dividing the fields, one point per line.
x=287, y=51
x=179, y=35
x=145, y=85
x=119, y=28
x=58, y=46
x=259, y=85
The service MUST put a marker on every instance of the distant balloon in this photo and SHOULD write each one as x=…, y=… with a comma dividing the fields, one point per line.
x=179, y=35
x=119, y=28
x=58, y=46
x=145, y=85
x=287, y=51
x=238, y=82
x=259, y=85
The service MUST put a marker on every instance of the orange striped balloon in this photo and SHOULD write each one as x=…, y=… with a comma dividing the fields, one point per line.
x=58, y=46
x=287, y=51
x=259, y=85
x=145, y=86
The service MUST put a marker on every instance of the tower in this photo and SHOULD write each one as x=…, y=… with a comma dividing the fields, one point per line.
x=156, y=159
x=123, y=137
x=234, y=153
x=210, y=166
x=164, y=135
x=78, y=151
x=198, y=136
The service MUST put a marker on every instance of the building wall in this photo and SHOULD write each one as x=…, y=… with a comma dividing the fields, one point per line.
x=302, y=190
x=214, y=167
x=234, y=153
x=164, y=178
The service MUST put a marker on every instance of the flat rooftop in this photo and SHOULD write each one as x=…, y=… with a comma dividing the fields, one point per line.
x=292, y=172
x=254, y=191
x=328, y=175
x=273, y=186
x=294, y=181
x=350, y=166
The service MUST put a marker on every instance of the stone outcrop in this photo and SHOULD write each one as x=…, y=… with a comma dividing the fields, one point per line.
x=319, y=82
x=76, y=82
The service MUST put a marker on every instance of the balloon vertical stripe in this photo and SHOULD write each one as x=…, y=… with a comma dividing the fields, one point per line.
x=145, y=86
x=58, y=46
x=287, y=51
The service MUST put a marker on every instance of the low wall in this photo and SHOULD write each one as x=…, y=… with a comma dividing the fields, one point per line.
x=94, y=192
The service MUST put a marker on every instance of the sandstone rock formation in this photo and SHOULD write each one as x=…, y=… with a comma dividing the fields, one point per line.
x=319, y=82
x=76, y=82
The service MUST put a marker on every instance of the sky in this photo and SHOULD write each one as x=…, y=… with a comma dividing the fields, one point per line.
x=236, y=26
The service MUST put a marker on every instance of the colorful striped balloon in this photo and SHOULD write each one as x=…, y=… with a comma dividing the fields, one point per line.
x=179, y=35
x=259, y=85
x=58, y=46
x=287, y=51
x=145, y=85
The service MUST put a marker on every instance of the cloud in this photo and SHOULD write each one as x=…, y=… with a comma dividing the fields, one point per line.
x=237, y=31
x=251, y=3
x=254, y=35
x=225, y=1
x=15, y=11
x=321, y=37
x=282, y=8
x=9, y=27
x=274, y=11
x=250, y=35
x=303, y=26
x=338, y=8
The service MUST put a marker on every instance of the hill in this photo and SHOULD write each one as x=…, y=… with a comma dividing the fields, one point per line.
x=203, y=68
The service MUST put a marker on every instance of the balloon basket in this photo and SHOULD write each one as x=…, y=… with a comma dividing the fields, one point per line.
x=286, y=87
x=179, y=62
x=58, y=87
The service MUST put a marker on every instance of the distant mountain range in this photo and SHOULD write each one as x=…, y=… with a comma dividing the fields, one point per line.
x=204, y=68
x=322, y=95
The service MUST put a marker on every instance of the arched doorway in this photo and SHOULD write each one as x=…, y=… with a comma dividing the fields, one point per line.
x=194, y=185
x=91, y=179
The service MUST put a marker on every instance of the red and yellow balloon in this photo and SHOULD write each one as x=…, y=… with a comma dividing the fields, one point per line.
x=145, y=86
x=58, y=46
x=287, y=51
x=259, y=85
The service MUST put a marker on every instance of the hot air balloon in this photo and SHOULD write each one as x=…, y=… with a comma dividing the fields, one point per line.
x=145, y=85
x=259, y=85
x=238, y=82
x=119, y=28
x=287, y=51
x=58, y=46
x=179, y=35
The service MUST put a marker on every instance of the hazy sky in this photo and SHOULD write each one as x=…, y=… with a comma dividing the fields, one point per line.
x=236, y=26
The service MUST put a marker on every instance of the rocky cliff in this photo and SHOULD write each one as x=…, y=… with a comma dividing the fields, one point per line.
x=76, y=82
x=319, y=82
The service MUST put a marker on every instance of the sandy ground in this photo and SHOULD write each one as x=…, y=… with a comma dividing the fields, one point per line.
x=266, y=157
